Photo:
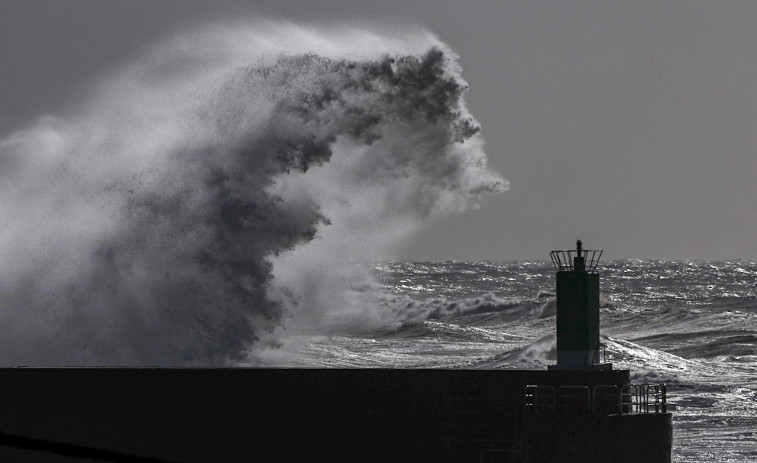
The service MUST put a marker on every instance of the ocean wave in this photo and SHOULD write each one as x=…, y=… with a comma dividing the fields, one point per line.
x=406, y=309
x=213, y=190
x=706, y=343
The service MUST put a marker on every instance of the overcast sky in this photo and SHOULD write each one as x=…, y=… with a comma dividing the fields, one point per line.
x=630, y=125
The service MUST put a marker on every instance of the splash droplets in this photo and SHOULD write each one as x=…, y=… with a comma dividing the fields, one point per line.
x=165, y=224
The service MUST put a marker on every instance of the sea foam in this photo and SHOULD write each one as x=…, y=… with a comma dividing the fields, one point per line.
x=223, y=187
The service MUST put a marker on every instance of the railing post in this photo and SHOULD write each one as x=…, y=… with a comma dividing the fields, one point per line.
x=664, y=398
x=657, y=399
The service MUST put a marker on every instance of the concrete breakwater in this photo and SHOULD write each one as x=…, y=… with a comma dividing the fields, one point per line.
x=270, y=414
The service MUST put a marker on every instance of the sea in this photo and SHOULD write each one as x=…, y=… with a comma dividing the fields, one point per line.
x=691, y=325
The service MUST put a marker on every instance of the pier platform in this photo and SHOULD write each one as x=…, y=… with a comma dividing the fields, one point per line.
x=271, y=414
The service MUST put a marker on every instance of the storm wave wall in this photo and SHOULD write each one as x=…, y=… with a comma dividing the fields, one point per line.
x=222, y=189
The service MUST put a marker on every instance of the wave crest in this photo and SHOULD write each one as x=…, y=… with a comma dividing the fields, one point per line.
x=201, y=199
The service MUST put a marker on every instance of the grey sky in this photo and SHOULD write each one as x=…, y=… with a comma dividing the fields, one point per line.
x=630, y=125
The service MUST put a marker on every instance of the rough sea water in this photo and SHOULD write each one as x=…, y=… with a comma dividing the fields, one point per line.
x=690, y=325
x=224, y=199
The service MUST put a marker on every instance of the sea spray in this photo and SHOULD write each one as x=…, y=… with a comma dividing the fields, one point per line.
x=228, y=183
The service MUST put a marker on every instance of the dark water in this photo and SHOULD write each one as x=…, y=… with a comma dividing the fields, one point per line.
x=691, y=325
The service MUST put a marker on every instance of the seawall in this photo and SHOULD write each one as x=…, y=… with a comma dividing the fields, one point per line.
x=261, y=414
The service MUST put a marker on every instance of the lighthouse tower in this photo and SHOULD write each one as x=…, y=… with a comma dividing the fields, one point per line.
x=577, y=309
x=582, y=410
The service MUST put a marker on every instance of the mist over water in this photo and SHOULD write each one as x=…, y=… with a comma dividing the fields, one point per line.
x=224, y=189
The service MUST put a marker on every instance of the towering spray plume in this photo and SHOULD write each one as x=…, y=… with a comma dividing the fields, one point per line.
x=223, y=185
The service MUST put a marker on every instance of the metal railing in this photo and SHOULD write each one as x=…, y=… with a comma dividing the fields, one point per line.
x=647, y=398
x=573, y=399
x=604, y=399
x=563, y=260
x=540, y=399
x=607, y=399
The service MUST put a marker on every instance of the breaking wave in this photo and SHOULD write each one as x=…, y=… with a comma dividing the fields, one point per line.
x=405, y=309
x=223, y=186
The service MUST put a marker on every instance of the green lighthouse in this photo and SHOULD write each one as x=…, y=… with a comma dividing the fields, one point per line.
x=577, y=309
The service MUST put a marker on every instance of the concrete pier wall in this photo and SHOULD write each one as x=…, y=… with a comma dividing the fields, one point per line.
x=640, y=438
x=229, y=414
